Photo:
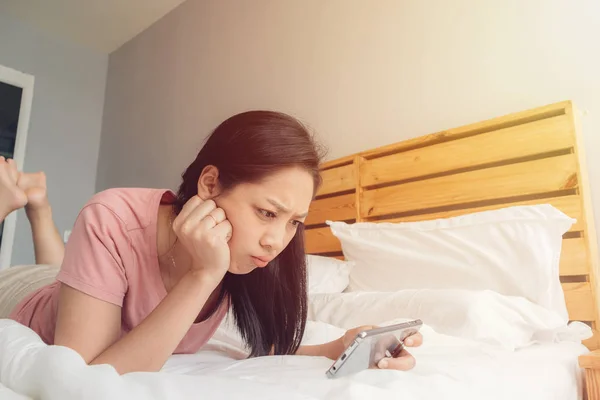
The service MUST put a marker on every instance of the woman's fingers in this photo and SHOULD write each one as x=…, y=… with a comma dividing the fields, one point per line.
x=198, y=217
x=217, y=215
x=404, y=362
x=414, y=340
x=191, y=217
x=201, y=211
x=224, y=230
x=351, y=334
x=206, y=218
x=188, y=207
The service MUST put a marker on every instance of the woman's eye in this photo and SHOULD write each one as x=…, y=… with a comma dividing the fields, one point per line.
x=296, y=223
x=268, y=214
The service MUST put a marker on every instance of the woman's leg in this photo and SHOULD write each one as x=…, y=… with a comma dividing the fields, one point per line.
x=48, y=245
x=16, y=283
x=29, y=190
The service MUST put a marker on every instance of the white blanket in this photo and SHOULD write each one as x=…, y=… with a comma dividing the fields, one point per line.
x=447, y=367
x=477, y=345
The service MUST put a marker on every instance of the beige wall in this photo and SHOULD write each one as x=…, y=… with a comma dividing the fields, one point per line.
x=361, y=73
x=63, y=139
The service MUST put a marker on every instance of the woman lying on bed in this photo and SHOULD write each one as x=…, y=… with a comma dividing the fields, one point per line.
x=148, y=273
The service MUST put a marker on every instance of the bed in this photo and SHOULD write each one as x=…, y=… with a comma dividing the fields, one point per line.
x=529, y=157
x=526, y=158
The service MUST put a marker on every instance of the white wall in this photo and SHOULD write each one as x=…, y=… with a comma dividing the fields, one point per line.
x=362, y=73
x=65, y=123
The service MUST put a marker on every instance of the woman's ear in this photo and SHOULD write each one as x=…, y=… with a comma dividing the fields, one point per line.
x=208, y=183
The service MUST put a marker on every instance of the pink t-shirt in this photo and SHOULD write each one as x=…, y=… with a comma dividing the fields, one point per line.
x=112, y=256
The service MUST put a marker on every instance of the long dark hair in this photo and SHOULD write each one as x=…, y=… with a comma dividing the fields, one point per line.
x=269, y=304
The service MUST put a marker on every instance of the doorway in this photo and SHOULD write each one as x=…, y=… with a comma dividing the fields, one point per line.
x=16, y=96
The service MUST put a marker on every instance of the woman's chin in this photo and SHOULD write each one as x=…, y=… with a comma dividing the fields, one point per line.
x=243, y=269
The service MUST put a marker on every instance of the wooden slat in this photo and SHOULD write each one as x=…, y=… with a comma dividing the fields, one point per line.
x=358, y=163
x=519, y=141
x=527, y=178
x=570, y=205
x=592, y=343
x=573, y=258
x=337, y=162
x=321, y=240
x=337, y=180
x=592, y=384
x=337, y=208
x=591, y=361
x=490, y=124
x=579, y=299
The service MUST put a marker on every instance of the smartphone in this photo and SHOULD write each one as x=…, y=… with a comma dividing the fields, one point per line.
x=370, y=346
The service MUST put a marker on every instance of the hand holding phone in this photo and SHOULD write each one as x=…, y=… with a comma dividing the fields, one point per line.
x=372, y=347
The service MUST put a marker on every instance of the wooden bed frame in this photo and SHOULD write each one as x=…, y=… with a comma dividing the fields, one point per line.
x=529, y=157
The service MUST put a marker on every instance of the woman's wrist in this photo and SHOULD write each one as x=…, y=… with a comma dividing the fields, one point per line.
x=336, y=349
x=331, y=350
x=200, y=279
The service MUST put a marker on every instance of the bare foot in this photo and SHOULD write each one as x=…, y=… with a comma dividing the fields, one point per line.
x=34, y=187
x=11, y=196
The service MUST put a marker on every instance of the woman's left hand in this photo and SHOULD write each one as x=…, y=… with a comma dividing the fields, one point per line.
x=403, y=362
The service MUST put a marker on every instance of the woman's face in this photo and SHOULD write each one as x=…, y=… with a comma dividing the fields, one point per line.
x=265, y=216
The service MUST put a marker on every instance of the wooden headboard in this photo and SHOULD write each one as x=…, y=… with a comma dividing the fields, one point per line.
x=529, y=157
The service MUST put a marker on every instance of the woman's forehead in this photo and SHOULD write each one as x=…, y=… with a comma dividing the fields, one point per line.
x=290, y=188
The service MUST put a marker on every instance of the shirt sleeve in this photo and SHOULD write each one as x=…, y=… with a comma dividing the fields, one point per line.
x=96, y=255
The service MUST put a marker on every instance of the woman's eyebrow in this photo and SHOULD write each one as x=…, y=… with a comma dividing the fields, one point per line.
x=281, y=208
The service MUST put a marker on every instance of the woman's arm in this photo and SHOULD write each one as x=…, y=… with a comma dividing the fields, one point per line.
x=330, y=350
x=92, y=327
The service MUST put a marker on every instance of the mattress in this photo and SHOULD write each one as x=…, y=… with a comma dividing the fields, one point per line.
x=476, y=346
x=447, y=367
x=451, y=370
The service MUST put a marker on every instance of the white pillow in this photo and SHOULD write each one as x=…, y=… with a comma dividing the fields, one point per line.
x=483, y=316
x=514, y=251
x=327, y=275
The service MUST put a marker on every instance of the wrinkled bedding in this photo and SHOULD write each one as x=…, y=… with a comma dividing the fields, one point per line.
x=477, y=345
x=447, y=367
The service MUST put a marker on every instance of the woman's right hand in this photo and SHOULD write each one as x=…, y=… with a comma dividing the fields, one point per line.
x=204, y=231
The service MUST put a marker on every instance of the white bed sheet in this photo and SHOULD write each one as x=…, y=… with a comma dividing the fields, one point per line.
x=446, y=369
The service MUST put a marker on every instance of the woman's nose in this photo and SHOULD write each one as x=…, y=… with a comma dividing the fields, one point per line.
x=273, y=240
